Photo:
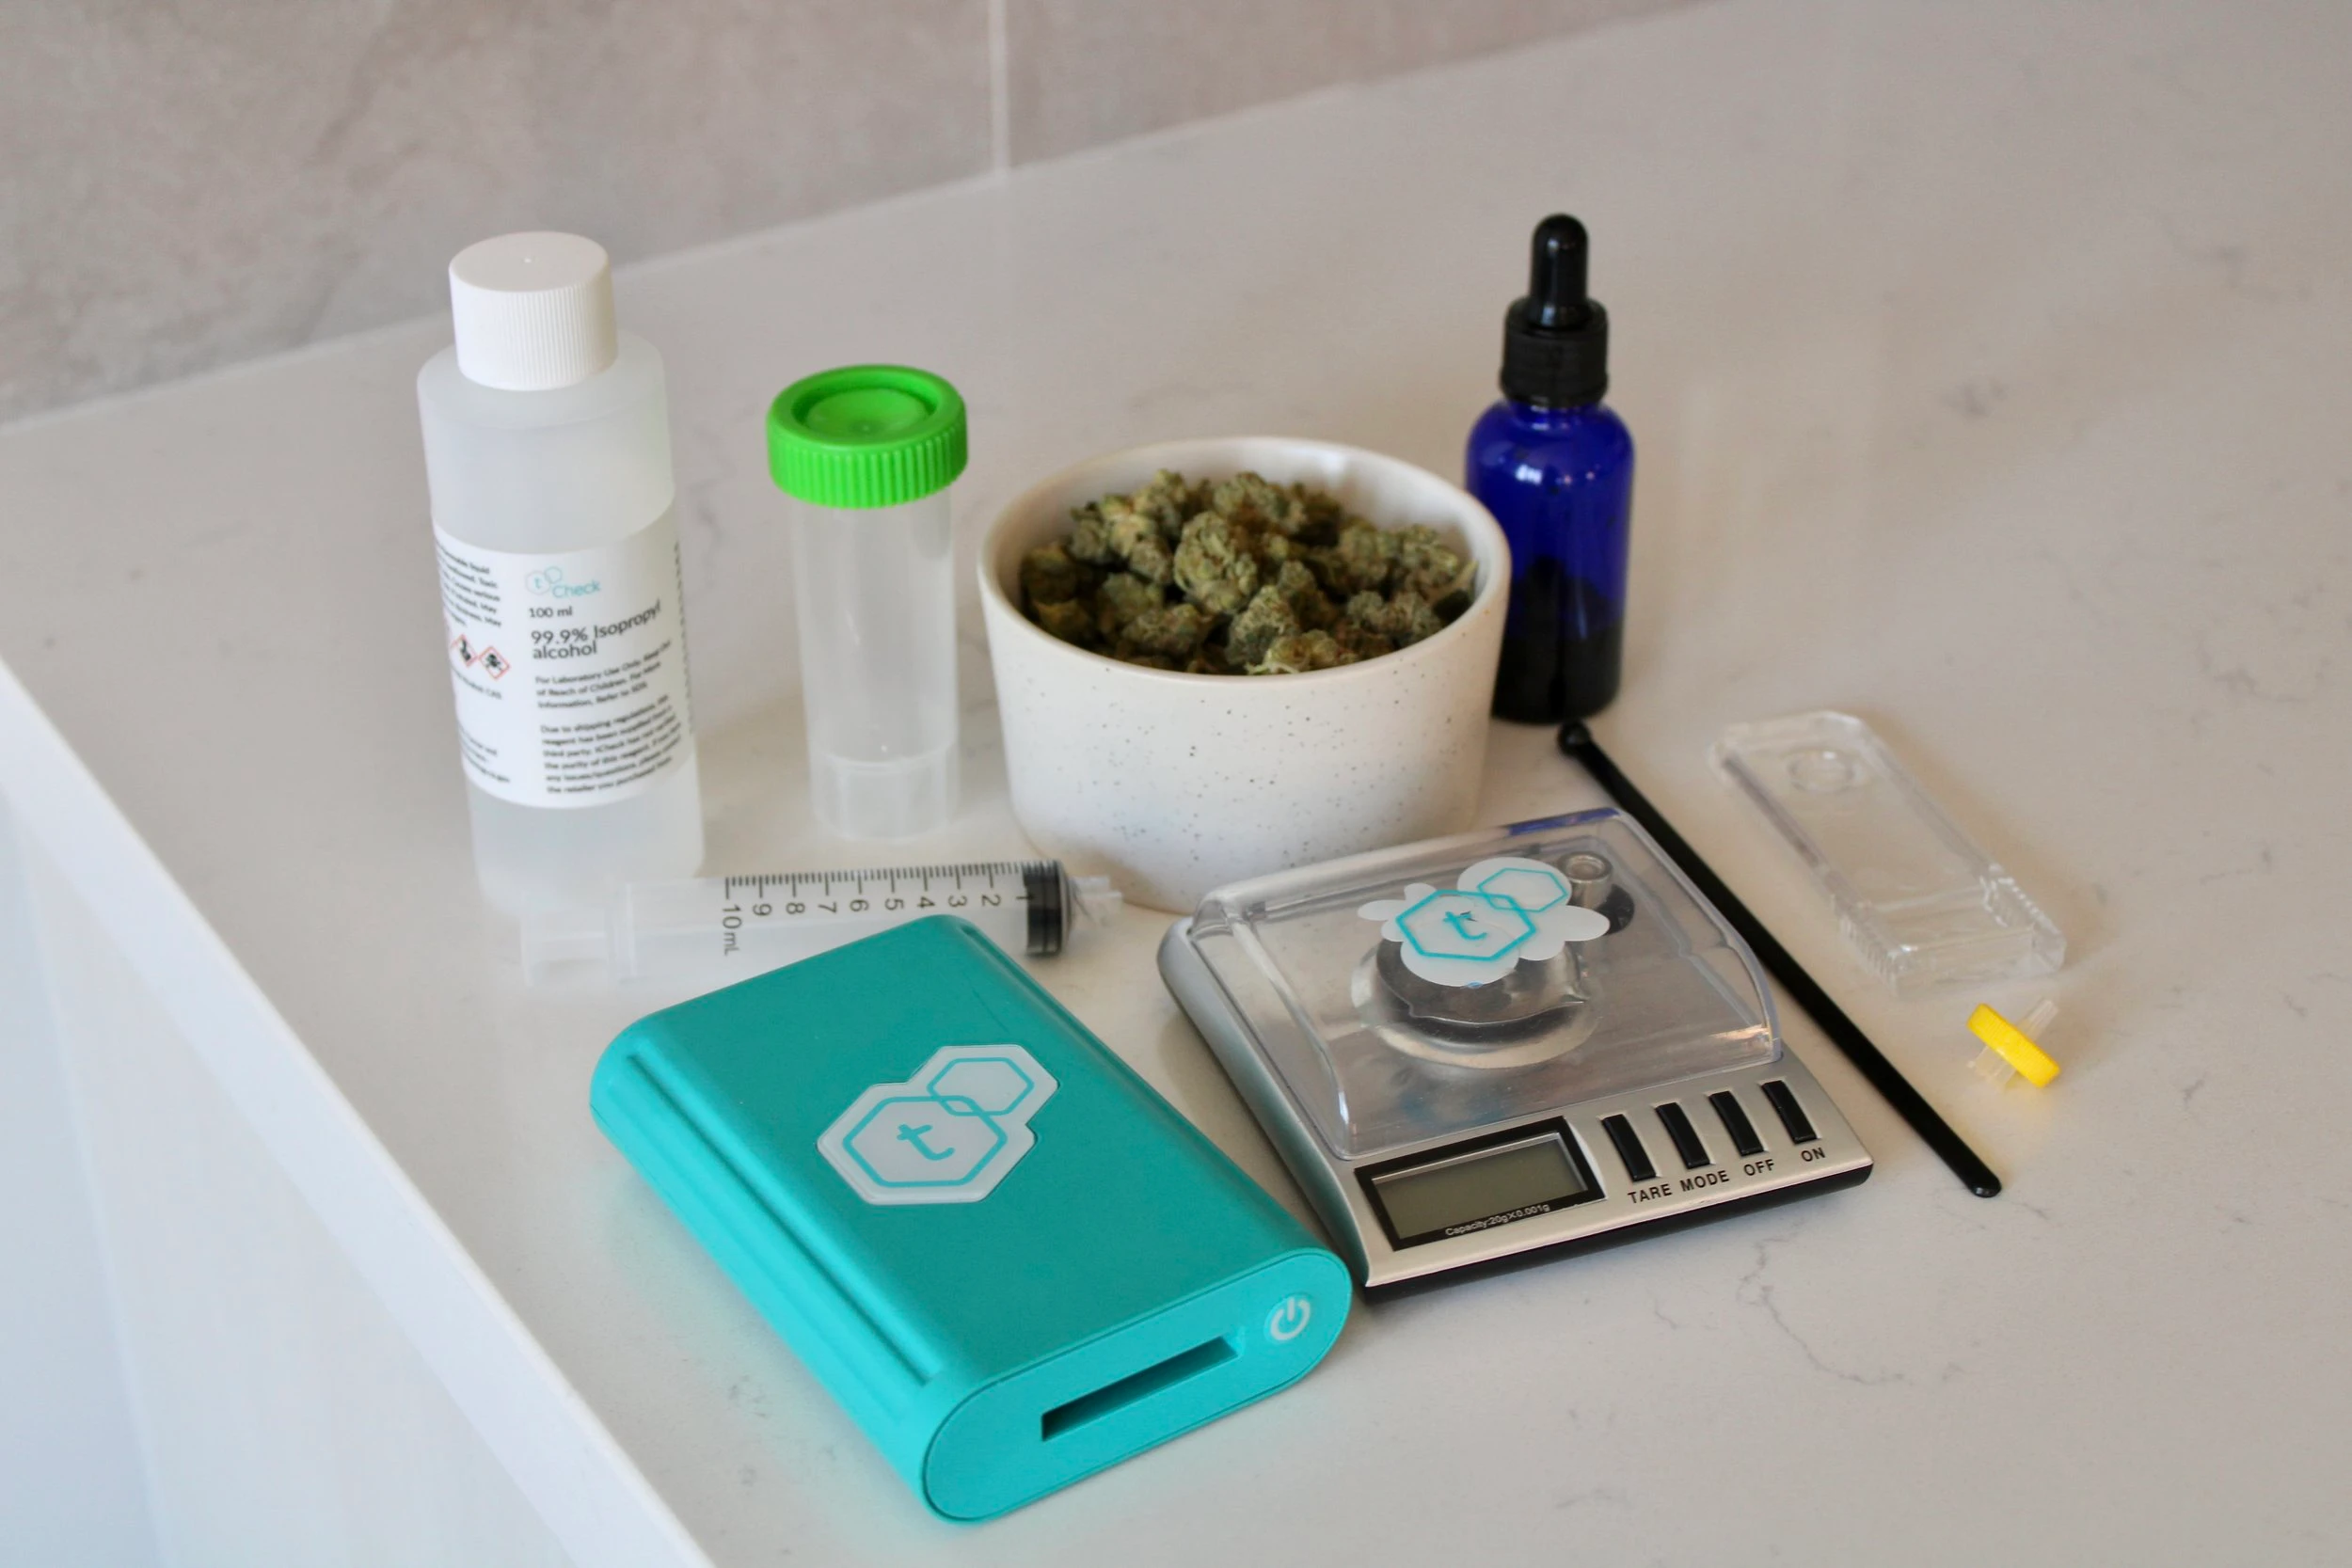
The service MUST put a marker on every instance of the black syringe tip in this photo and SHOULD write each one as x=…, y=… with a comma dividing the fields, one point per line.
x=1556, y=275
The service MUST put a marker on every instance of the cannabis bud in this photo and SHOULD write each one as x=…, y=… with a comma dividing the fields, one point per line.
x=1240, y=576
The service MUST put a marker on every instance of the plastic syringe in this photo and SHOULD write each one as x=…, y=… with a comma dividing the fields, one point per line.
x=749, y=925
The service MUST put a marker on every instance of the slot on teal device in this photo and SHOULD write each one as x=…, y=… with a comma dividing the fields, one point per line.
x=1009, y=1259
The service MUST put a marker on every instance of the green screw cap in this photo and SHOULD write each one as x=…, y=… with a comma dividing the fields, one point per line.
x=866, y=436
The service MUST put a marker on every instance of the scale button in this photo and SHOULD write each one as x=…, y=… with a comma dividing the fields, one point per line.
x=1735, y=1122
x=1686, y=1136
x=1792, y=1115
x=1630, y=1150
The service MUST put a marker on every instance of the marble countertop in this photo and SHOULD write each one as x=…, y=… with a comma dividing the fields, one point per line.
x=1989, y=367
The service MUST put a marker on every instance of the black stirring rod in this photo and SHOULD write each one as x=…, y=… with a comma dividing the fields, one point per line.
x=1578, y=742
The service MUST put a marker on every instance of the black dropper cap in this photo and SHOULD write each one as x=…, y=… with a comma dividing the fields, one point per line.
x=1555, y=342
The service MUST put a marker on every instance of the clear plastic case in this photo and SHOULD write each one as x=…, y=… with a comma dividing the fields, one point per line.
x=1639, y=983
x=1921, y=903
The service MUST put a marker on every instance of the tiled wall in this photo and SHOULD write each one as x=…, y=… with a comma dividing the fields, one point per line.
x=1082, y=72
x=187, y=185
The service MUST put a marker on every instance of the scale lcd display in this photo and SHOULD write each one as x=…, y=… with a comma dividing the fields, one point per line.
x=1454, y=1194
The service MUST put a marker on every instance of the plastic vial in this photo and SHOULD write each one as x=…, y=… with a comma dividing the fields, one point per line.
x=1556, y=469
x=546, y=448
x=866, y=454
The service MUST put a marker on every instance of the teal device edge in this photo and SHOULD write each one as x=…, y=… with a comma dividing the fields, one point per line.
x=1117, y=1282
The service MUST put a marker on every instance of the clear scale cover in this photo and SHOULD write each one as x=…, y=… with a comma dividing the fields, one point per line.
x=1920, y=901
x=1425, y=992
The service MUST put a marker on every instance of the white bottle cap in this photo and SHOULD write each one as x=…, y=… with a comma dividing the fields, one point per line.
x=532, y=311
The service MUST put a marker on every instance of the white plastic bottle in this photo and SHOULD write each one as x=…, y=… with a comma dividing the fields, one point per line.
x=547, y=446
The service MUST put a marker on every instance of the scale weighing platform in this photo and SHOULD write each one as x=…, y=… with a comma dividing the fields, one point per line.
x=1531, y=1039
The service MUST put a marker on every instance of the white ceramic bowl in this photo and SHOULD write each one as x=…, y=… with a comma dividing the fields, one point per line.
x=1177, y=783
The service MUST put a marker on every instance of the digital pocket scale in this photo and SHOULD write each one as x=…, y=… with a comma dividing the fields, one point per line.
x=1530, y=1038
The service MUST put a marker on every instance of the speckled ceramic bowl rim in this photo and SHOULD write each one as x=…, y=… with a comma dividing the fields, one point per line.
x=1489, y=550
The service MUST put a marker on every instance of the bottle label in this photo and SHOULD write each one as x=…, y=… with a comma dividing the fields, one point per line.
x=570, y=669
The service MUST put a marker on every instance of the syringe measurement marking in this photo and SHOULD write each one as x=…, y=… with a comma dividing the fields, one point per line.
x=732, y=915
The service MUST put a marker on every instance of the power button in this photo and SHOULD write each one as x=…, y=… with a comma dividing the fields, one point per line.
x=1289, y=1319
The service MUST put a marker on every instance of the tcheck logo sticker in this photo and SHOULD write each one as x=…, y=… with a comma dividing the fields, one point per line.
x=947, y=1135
x=1504, y=912
x=551, y=584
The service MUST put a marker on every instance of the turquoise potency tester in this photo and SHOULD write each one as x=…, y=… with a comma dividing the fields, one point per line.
x=1009, y=1259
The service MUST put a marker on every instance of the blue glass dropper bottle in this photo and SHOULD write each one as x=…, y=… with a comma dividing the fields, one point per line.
x=1556, y=469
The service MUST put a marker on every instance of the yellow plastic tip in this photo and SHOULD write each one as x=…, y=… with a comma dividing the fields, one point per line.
x=2005, y=1038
